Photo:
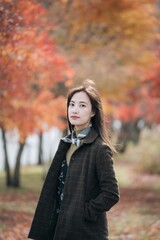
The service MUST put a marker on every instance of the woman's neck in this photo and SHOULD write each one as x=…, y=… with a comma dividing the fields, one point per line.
x=79, y=129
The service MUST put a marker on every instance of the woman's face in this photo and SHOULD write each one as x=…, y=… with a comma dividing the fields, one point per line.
x=80, y=110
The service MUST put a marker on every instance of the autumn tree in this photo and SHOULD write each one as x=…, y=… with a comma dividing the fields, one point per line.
x=112, y=42
x=151, y=76
x=142, y=100
x=99, y=22
x=30, y=66
x=107, y=39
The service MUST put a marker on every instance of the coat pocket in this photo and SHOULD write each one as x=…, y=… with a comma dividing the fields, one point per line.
x=89, y=213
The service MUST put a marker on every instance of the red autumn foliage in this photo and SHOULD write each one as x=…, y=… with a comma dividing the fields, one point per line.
x=128, y=112
x=140, y=105
x=30, y=66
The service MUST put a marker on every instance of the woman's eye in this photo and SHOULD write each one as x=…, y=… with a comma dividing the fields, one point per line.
x=82, y=105
x=71, y=104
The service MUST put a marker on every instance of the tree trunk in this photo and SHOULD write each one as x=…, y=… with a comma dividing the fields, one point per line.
x=40, y=151
x=129, y=131
x=6, y=161
x=16, y=176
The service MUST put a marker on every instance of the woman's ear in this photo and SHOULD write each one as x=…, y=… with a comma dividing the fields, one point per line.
x=93, y=113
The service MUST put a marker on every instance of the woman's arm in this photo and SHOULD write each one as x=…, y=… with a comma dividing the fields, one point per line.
x=109, y=191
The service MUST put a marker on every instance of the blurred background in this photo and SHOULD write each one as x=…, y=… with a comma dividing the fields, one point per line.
x=47, y=47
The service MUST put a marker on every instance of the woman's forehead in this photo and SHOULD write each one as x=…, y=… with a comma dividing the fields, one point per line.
x=80, y=97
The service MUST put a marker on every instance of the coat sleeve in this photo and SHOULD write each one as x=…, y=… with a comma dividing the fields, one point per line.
x=109, y=191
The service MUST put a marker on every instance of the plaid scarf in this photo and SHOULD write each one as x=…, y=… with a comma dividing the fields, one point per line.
x=76, y=138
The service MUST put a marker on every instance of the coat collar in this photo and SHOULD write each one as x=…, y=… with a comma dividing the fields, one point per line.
x=91, y=136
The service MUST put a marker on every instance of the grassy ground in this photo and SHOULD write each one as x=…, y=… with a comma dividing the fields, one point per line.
x=135, y=217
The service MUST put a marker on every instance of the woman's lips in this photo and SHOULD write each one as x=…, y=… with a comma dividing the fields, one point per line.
x=74, y=117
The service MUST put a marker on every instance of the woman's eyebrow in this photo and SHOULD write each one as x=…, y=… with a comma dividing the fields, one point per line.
x=79, y=102
x=83, y=102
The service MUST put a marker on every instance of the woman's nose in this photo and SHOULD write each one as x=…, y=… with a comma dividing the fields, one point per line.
x=75, y=109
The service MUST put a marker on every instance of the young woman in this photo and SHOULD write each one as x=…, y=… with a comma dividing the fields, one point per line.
x=80, y=185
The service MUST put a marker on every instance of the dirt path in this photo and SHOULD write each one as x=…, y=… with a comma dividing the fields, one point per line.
x=137, y=215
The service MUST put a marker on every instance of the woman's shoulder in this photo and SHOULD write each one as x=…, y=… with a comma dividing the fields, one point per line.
x=101, y=145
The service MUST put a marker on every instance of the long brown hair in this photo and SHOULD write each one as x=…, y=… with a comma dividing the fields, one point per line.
x=98, y=122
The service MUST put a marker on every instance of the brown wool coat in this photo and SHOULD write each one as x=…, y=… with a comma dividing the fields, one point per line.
x=90, y=190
